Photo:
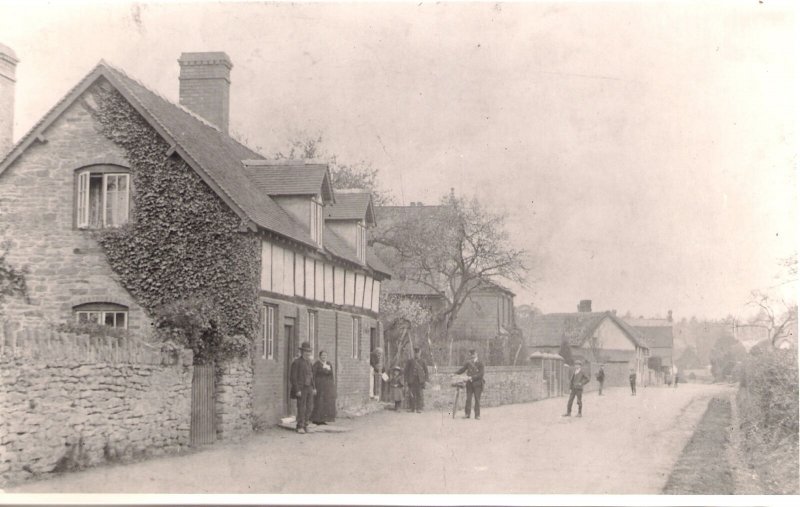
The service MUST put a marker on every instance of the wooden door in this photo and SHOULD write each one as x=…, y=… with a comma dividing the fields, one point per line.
x=202, y=429
x=290, y=353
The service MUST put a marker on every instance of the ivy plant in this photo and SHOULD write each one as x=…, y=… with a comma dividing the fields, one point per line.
x=183, y=242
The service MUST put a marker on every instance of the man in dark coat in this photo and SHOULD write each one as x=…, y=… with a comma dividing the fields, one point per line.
x=601, y=377
x=301, y=377
x=576, y=383
x=474, y=369
x=416, y=374
x=632, y=379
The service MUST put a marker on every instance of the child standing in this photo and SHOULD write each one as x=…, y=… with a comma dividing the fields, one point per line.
x=396, y=385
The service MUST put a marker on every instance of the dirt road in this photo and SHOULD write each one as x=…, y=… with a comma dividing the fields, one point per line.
x=622, y=445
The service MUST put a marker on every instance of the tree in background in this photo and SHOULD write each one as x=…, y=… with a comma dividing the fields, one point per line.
x=726, y=358
x=360, y=175
x=453, y=249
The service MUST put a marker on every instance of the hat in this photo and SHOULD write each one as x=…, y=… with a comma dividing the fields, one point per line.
x=472, y=352
x=305, y=347
x=397, y=368
x=416, y=349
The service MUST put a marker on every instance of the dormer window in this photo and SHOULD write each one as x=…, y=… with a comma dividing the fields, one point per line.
x=103, y=197
x=316, y=220
x=361, y=242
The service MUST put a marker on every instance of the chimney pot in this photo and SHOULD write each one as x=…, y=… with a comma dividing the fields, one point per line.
x=585, y=305
x=205, y=81
x=8, y=79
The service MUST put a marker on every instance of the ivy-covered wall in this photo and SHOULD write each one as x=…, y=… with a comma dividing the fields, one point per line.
x=183, y=240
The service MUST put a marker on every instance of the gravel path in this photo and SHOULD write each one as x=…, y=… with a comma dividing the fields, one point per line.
x=623, y=444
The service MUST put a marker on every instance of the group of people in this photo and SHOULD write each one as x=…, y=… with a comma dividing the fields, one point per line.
x=312, y=385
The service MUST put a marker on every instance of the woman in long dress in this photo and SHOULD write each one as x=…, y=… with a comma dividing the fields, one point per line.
x=325, y=400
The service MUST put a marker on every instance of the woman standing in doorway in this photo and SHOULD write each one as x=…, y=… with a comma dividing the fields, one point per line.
x=325, y=400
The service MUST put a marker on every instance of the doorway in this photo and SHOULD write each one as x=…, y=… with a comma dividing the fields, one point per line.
x=290, y=352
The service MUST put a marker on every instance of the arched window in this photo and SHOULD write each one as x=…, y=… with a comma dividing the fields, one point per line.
x=104, y=314
x=102, y=196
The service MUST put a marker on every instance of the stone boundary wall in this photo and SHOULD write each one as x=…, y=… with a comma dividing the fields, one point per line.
x=73, y=401
x=233, y=390
x=504, y=385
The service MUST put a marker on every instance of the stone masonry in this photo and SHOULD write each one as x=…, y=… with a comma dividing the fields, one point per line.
x=504, y=385
x=234, y=398
x=73, y=401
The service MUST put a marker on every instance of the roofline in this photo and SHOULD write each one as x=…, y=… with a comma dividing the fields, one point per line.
x=102, y=69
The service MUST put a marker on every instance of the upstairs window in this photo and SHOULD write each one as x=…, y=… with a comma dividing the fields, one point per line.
x=361, y=242
x=316, y=220
x=103, y=197
x=103, y=314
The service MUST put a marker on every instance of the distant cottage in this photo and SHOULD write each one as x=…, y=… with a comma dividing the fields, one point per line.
x=594, y=337
x=66, y=180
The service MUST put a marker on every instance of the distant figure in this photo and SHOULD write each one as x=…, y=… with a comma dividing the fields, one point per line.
x=416, y=374
x=632, y=378
x=301, y=377
x=676, y=381
x=396, y=387
x=576, y=383
x=474, y=370
x=601, y=377
x=376, y=362
x=325, y=400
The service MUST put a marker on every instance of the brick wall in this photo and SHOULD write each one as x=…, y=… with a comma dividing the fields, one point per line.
x=72, y=401
x=334, y=329
x=37, y=194
x=504, y=385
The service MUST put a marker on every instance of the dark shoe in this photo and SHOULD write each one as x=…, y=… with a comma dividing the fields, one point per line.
x=477, y=418
x=419, y=411
x=300, y=430
x=579, y=415
x=566, y=415
x=465, y=417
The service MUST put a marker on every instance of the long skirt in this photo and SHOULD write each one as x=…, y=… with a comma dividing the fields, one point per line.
x=325, y=401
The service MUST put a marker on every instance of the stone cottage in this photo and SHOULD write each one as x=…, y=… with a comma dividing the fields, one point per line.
x=82, y=172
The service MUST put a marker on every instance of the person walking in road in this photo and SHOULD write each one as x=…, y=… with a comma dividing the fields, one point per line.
x=601, y=377
x=474, y=370
x=576, y=383
x=416, y=374
x=301, y=378
x=632, y=378
x=676, y=381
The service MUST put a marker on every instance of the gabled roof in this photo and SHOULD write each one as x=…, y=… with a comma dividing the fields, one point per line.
x=351, y=205
x=291, y=177
x=577, y=327
x=214, y=155
x=656, y=336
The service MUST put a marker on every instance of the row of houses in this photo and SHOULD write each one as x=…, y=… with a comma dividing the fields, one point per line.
x=318, y=278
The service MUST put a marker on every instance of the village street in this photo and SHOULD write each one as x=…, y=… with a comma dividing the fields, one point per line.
x=622, y=445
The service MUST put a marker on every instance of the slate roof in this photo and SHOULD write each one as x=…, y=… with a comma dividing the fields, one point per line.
x=351, y=206
x=217, y=157
x=656, y=336
x=549, y=329
x=290, y=177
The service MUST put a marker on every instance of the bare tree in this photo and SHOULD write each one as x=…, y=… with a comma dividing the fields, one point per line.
x=453, y=249
x=778, y=317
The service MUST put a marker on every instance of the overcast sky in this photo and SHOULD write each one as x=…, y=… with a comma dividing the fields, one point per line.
x=645, y=152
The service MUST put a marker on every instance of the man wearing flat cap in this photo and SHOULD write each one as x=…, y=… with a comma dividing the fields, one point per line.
x=416, y=374
x=301, y=378
x=474, y=370
x=576, y=383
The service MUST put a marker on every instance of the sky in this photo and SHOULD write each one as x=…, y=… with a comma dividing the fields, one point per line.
x=644, y=153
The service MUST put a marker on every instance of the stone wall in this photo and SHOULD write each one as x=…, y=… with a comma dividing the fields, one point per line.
x=504, y=385
x=234, y=398
x=74, y=401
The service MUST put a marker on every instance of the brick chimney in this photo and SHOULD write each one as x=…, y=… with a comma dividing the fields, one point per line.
x=8, y=73
x=585, y=306
x=205, y=82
